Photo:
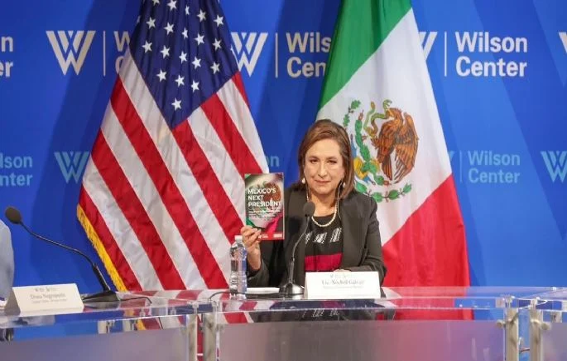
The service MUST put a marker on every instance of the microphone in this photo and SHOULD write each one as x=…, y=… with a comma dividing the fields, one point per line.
x=290, y=289
x=107, y=295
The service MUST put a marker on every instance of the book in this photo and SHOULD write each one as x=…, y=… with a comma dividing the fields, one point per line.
x=264, y=204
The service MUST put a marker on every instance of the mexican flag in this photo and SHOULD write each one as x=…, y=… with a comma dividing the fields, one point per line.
x=378, y=87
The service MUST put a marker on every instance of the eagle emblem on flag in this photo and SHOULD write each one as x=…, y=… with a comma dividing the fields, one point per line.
x=384, y=147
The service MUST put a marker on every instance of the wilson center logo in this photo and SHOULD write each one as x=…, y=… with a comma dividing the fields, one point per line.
x=247, y=47
x=72, y=164
x=555, y=162
x=70, y=47
x=427, y=40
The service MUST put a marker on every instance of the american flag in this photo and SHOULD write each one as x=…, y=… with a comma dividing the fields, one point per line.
x=163, y=195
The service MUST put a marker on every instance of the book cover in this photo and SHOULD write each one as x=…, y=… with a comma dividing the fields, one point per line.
x=264, y=204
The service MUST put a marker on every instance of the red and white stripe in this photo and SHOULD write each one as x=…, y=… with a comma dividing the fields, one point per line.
x=169, y=202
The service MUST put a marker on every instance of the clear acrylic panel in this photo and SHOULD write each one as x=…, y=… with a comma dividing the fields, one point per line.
x=543, y=325
x=407, y=323
x=139, y=327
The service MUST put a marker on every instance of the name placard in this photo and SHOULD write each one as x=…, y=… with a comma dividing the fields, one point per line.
x=342, y=285
x=43, y=300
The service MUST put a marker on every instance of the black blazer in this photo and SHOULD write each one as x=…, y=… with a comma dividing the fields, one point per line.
x=362, y=250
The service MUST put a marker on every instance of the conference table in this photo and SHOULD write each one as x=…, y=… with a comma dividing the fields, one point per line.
x=410, y=323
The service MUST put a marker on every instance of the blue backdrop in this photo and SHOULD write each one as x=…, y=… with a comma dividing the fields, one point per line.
x=498, y=70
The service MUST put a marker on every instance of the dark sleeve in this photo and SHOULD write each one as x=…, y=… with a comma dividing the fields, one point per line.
x=258, y=278
x=272, y=268
x=373, y=250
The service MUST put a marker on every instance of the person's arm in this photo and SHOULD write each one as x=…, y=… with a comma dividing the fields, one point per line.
x=272, y=266
x=6, y=261
x=257, y=278
x=257, y=273
x=6, y=273
x=373, y=251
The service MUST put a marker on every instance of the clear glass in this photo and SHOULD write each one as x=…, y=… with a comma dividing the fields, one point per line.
x=422, y=323
x=413, y=323
x=139, y=327
x=544, y=314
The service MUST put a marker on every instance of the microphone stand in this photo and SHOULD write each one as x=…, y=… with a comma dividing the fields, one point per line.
x=290, y=289
x=107, y=295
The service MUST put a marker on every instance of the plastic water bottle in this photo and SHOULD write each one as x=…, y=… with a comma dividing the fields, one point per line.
x=238, y=277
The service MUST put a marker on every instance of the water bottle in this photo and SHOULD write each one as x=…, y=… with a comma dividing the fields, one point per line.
x=238, y=277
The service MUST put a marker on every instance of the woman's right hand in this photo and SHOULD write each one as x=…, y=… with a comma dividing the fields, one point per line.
x=251, y=239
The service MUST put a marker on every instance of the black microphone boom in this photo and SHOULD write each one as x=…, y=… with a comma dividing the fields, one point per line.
x=290, y=289
x=107, y=295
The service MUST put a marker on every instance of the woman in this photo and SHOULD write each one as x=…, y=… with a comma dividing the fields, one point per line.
x=343, y=234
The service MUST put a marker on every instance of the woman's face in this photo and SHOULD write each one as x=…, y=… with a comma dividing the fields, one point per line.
x=323, y=167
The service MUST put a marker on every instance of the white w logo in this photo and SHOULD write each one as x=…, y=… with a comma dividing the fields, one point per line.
x=563, y=38
x=74, y=54
x=451, y=155
x=248, y=54
x=427, y=40
x=555, y=162
x=72, y=164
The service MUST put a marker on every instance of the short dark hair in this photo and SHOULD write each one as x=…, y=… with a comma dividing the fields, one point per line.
x=327, y=129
